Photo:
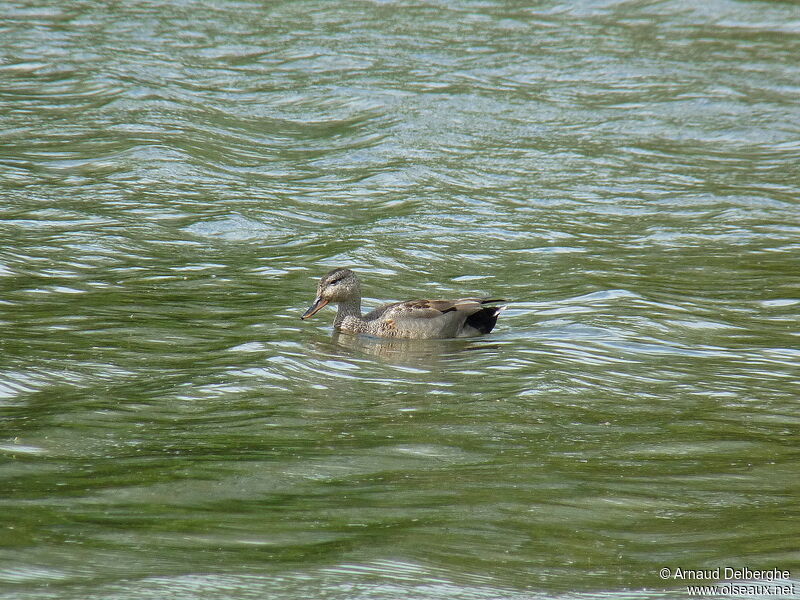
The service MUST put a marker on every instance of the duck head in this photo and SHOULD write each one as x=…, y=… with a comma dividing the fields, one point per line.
x=339, y=285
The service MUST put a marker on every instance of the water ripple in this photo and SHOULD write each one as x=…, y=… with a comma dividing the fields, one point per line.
x=177, y=176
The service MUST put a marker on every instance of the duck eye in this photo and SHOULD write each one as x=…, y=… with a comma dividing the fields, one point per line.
x=335, y=281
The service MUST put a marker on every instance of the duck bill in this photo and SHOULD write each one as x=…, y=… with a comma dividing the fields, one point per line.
x=318, y=305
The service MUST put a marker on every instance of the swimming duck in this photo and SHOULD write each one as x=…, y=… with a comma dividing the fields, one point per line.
x=412, y=319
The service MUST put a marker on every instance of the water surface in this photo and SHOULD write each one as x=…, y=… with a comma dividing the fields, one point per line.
x=176, y=175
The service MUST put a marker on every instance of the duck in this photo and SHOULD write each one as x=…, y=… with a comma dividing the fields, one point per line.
x=411, y=319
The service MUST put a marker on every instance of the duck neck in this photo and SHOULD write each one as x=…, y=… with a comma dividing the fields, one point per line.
x=348, y=308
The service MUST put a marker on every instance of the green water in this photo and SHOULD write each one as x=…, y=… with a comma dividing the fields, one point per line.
x=175, y=176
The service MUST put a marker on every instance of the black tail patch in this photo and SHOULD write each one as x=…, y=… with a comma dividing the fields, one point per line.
x=485, y=319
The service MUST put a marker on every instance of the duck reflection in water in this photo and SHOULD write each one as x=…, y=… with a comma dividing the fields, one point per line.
x=420, y=354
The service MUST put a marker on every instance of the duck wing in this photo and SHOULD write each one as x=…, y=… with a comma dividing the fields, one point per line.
x=436, y=318
x=428, y=309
